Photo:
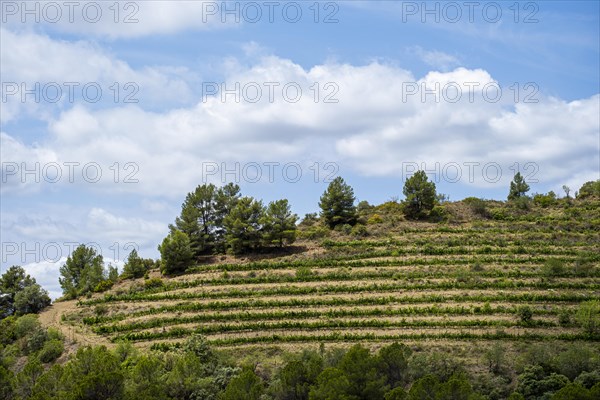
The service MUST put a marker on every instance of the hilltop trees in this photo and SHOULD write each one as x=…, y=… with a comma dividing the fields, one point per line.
x=589, y=189
x=20, y=294
x=136, y=266
x=337, y=204
x=279, y=223
x=82, y=272
x=176, y=252
x=219, y=220
x=420, y=196
x=518, y=187
x=243, y=225
x=202, y=216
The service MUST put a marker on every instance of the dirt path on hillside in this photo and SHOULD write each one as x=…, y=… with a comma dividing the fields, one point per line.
x=75, y=335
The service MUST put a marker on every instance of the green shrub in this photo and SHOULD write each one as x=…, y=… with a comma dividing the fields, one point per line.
x=499, y=214
x=478, y=206
x=553, y=268
x=525, y=313
x=51, y=351
x=101, y=309
x=103, y=286
x=26, y=325
x=588, y=316
x=153, y=283
x=545, y=200
x=344, y=228
x=438, y=214
x=359, y=230
x=522, y=203
x=35, y=341
x=564, y=318
x=304, y=273
x=314, y=232
x=375, y=219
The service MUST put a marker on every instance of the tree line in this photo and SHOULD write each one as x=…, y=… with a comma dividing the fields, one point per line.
x=219, y=220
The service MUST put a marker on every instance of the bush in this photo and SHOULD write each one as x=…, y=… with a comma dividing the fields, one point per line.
x=564, y=318
x=304, y=273
x=35, y=341
x=478, y=206
x=31, y=300
x=544, y=200
x=153, y=283
x=101, y=309
x=103, y=286
x=315, y=232
x=588, y=317
x=176, y=253
x=51, y=351
x=344, y=228
x=438, y=214
x=26, y=325
x=525, y=313
x=522, y=203
x=553, y=268
x=589, y=189
x=375, y=219
x=360, y=231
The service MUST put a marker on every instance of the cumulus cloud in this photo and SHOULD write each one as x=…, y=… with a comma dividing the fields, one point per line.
x=41, y=75
x=131, y=19
x=380, y=116
x=42, y=243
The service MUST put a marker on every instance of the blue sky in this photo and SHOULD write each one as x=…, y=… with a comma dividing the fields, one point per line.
x=527, y=74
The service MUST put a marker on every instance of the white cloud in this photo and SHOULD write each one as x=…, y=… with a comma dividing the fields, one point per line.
x=127, y=20
x=435, y=58
x=42, y=243
x=66, y=73
x=375, y=126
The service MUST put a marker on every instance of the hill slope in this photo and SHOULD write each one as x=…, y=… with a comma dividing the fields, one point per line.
x=465, y=278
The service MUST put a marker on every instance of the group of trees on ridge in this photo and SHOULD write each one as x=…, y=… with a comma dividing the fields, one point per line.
x=218, y=220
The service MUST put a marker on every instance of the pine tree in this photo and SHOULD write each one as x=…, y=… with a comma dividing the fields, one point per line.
x=337, y=204
x=518, y=187
x=420, y=196
x=279, y=223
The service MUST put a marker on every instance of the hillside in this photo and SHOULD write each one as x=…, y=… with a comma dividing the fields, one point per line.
x=472, y=276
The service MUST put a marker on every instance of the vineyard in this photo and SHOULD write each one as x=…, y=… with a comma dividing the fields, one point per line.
x=518, y=278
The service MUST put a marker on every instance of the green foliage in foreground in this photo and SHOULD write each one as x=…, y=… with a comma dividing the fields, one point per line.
x=194, y=370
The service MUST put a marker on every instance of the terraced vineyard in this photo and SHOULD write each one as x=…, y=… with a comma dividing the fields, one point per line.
x=441, y=282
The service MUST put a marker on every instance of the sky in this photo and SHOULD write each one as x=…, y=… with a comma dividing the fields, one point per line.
x=112, y=111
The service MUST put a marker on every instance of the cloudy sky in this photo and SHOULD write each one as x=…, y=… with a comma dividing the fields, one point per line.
x=112, y=111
